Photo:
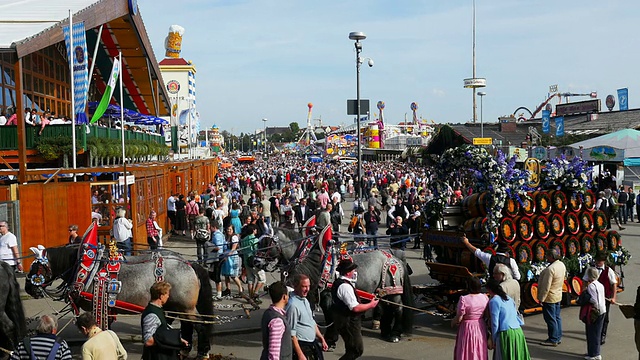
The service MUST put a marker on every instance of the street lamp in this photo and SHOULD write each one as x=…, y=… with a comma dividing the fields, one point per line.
x=481, y=94
x=357, y=36
x=264, y=132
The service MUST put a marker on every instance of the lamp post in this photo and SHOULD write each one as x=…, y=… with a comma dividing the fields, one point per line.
x=357, y=36
x=481, y=94
x=264, y=132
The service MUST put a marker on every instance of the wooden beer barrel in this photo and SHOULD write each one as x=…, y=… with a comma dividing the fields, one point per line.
x=587, y=244
x=511, y=207
x=589, y=200
x=541, y=226
x=572, y=223
x=469, y=227
x=557, y=225
x=475, y=205
x=575, y=201
x=524, y=228
x=543, y=202
x=600, y=221
x=572, y=244
x=528, y=205
x=558, y=245
x=613, y=240
x=524, y=253
x=559, y=201
x=586, y=221
x=576, y=285
x=530, y=295
x=507, y=230
x=540, y=249
x=566, y=287
x=601, y=241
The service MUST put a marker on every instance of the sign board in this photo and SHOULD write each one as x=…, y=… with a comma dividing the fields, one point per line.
x=482, y=141
x=131, y=179
x=475, y=83
x=532, y=165
x=352, y=108
x=623, y=99
x=539, y=152
x=520, y=153
x=580, y=107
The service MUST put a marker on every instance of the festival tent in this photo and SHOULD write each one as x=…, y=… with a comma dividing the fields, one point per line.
x=622, y=145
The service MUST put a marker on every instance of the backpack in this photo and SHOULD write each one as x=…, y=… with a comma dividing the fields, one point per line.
x=203, y=235
x=217, y=219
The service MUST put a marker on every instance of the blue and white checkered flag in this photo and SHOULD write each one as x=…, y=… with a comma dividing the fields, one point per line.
x=80, y=68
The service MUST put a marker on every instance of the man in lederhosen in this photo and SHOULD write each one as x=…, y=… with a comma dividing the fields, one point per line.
x=346, y=311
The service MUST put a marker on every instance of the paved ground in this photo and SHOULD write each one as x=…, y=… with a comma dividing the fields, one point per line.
x=433, y=337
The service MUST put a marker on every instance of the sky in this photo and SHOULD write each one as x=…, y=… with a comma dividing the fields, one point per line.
x=268, y=59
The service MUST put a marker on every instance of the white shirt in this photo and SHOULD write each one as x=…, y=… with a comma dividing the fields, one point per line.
x=486, y=259
x=122, y=229
x=347, y=294
x=336, y=197
x=171, y=203
x=596, y=290
x=3, y=120
x=612, y=275
x=7, y=241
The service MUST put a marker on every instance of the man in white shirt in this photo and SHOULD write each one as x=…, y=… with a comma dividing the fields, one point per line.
x=490, y=260
x=9, y=247
x=171, y=211
x=122, y=231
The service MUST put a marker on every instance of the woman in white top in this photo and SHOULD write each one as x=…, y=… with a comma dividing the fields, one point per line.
x=594, y=329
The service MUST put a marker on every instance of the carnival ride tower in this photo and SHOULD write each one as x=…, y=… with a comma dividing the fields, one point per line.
x=308, y=134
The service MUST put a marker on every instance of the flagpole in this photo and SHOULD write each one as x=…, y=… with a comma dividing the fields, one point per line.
x=73, y=97
x=124, y=159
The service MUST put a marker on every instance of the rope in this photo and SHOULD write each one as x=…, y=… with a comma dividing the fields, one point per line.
x=7, y=351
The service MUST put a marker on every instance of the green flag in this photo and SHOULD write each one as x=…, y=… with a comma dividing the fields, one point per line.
x=106, y=97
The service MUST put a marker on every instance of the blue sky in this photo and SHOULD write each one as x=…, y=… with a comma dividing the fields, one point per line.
x=268, y=59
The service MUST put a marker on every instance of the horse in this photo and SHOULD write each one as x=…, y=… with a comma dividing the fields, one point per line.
x=13, y=325
x=372, y=275
x=190, y=292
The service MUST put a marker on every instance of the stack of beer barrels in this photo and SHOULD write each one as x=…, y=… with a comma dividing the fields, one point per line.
x=541, y=221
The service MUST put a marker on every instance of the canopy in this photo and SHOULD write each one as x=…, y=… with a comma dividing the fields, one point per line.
x=113, y=111
x=626, y=141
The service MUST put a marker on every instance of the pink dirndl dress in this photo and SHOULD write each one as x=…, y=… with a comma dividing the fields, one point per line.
x=471, y=341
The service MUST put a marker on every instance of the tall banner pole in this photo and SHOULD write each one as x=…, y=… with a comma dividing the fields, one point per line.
x=124, y=159
x=73, y=100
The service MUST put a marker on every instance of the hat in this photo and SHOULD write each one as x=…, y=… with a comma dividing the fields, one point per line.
x=345, y=266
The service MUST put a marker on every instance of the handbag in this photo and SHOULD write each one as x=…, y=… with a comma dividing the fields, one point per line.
x=588, y=312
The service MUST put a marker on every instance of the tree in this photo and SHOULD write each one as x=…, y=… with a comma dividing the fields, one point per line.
x=295, y=128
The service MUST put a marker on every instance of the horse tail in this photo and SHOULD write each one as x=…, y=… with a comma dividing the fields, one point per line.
x=13, y=307
x=409, y=300
x=205, y=302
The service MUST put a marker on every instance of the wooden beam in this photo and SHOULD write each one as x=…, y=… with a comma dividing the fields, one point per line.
x=22, y=135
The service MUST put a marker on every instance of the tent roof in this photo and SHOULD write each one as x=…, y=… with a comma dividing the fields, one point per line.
x=626, y=139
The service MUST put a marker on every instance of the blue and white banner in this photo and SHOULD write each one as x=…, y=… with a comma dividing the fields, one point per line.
x=546, y=120
x=80, y=68
x=623, y=99
x=560, y=126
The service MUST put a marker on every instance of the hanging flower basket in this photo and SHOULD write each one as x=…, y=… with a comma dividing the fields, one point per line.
x=586, y=221
x=572, y=223
x=528, y=205
x=511, y=207
x=589, y=200
x=524, y=228
x=540, y=249
x=601, y=242
x=613, y=240
x=507, y=230
x=558, y=245
x=557, y=225
x=587, y=244
x=559, y=201
x=541, y=226
x=575, y=201
x=543, y=202
x=524, y=253
x=600, y=221
x=573, y=246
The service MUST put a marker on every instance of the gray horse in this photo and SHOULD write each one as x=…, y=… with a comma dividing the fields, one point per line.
x=372, y=267
x=191, y=291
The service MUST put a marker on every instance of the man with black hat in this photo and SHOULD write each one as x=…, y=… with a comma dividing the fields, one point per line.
x=608, y=278
x=346, y=310
x=501, y=257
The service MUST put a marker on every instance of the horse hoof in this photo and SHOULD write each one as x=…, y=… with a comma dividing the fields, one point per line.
x=376, y=325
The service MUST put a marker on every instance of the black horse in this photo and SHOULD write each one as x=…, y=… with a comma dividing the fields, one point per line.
x=12, y=320
x=191, y=289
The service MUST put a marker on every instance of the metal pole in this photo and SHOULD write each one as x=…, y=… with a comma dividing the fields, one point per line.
x=359, y=173
x=481, y=118
x=264, y=132
x=475, y=115
x=124, y=158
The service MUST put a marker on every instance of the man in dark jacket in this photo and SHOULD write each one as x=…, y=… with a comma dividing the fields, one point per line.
x=160, y=340
x=371, y=225
x=302, y=212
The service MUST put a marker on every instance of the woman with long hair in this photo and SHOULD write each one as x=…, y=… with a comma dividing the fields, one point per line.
x=231, y=263
x=507, y=339
x=235, y=218
x=181, y=215
x=471, y=341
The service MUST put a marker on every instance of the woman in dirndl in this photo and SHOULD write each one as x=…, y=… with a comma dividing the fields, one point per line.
x=507, y=339
x=471, y=340
x=231, y=263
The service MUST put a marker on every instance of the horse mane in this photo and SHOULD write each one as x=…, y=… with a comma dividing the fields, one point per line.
x=309, y=266
x=13, y=307
x=63, y=258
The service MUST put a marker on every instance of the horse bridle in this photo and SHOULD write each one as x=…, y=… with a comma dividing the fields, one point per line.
x=43, y=277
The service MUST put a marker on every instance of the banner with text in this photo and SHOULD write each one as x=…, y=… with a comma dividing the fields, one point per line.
x=80, y=68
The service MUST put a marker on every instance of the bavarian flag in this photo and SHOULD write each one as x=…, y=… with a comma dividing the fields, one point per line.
x=106, y=97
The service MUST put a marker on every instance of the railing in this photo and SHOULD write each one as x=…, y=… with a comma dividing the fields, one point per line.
x=9, y=135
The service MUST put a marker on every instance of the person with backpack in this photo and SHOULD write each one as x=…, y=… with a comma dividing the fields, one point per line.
x=45, y=344
x=256, y=278
x=501, y=257
x=202, y=234
x=192, y=212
